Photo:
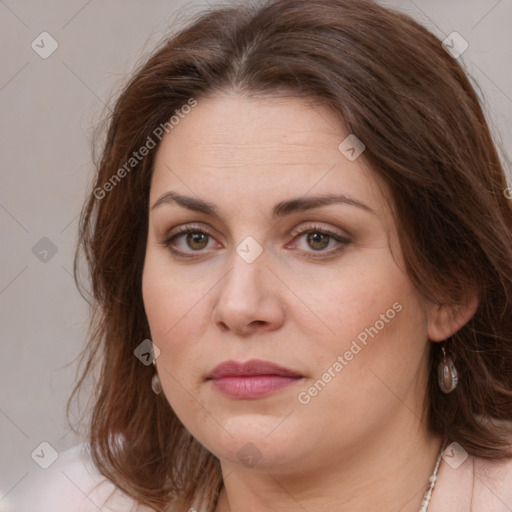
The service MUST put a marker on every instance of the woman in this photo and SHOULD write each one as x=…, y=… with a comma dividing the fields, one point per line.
x=301, y=220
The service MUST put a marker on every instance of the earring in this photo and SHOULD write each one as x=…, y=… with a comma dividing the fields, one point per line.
x=447, y=374
x=156, y=386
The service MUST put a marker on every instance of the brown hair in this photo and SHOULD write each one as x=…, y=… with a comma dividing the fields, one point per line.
x=426, y=137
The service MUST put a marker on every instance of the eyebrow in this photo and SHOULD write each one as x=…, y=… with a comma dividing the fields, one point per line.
x=281, y=209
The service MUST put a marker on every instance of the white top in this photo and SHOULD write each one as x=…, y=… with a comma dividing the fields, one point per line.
x=71, y=484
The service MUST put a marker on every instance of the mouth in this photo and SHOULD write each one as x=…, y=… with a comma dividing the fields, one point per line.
x=252, y=379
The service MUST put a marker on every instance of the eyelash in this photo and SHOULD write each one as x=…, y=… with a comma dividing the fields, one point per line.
x=189, y=228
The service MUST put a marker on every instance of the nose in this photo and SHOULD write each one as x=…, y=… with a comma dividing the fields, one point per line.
x=248, y=299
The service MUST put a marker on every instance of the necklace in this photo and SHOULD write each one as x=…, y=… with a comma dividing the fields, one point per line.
x=428, y=493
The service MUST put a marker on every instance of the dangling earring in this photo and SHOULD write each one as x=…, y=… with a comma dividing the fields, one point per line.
x=156, y=386
x=447, y=374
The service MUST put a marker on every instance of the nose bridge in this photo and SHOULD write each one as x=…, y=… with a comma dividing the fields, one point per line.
x=246, y=298
x=245, y=281
x=248, y=260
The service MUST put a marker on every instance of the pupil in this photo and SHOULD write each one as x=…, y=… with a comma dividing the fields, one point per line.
x=316, y=238
x=197, y=238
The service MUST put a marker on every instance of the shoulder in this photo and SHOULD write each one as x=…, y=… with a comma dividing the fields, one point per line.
x=71, y=483
x=493, y=484
x=466, y=482
x=472, y=483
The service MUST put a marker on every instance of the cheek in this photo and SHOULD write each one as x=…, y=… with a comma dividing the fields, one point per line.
x=374, y=320
x=176, y=304
x=172, y=308
x=354, y=298
x=170, y=297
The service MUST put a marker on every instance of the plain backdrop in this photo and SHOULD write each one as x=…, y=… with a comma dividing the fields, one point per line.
x=49, y=108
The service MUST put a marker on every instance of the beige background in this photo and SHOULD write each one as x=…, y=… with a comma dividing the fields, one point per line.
x=48, y=110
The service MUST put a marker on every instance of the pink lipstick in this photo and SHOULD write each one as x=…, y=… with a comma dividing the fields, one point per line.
x=252, y=379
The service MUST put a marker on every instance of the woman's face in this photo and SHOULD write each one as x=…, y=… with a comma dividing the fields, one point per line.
x=271, y=272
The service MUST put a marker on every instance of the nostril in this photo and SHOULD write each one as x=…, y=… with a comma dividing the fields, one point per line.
x=223, y=327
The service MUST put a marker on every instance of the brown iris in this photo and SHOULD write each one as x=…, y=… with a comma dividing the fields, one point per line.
x=197, y=238
x=318, y=240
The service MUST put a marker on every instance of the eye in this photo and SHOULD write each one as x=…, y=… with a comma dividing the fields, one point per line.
x=319, y=238
x=193, y=239
x=186, y=240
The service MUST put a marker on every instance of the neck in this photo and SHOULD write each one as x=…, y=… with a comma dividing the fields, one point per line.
x=382, y=473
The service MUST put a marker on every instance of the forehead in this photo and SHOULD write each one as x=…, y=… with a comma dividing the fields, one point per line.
x=234, y=149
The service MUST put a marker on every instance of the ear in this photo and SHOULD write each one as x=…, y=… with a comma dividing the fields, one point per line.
x=446, y=319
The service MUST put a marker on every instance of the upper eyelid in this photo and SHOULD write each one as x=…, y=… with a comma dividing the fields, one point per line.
x=310, y=225
x=184, y=228
x=319, y=227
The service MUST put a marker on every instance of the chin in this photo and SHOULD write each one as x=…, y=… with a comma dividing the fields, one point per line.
x=253, y=441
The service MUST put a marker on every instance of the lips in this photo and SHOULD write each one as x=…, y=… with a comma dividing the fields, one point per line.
x=250, y=368
x=252, y=379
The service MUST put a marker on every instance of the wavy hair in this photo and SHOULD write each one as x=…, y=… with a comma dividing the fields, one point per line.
x=426, y=138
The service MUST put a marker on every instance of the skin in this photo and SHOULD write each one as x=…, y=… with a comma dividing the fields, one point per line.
x=361, y=443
